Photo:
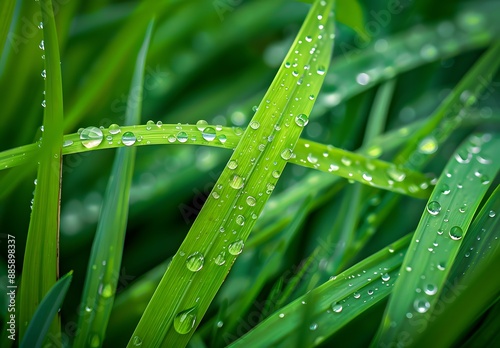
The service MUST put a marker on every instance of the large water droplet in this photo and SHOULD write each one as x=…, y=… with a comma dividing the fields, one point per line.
x=301, y=120
x=430, y=289
x=128, y=139
x=106, y=290
x=337, y=307
x=208, y=133
x=67, y=143
x=396, y=174
x=456, y=233
x=286, y=154
x=232, y=164
x=195, y=262
x=114, y=129
x=240, y=220
x=185, y=320
x=236, y=182
x=236, y=248
x=363, y=79
x=433, y=207
x=182, y=137
x=421, y=306
x=220, y=259
x=91, y=137
x=251, y=201
x=201, y=125
x=254, y=125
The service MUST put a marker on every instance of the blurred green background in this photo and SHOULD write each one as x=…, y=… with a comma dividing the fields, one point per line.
x=212, y=60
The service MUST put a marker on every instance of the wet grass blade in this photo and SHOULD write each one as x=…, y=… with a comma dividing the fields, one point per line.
x=50, y=305
x=106, y=255
x=214, y=241
x=317, y=315
x=438, y=237
x=40, y=267
x=6, y=12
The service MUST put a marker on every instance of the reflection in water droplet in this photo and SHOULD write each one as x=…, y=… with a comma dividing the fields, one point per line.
x=236, y=248
x=236, y=182
x=114, y=129
x=232, y=164
x=201, y=125
x=220, y=259
x=91, y=137
x=434, y=208
x=185, y=320
x=254, y=125
x=195, y=262
x=301, y=120
x=182, y=137
x=337, y=307
x=240, y=220
x=251, y=201
x=128, y=138
x=421, y=306
x=430, y=289
x=456, y=233
x=286, y=154
x=208, y=134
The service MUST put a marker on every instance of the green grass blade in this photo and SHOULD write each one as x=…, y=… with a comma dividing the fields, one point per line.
x=50, y=305
x=40, y=267
x=479, y=247
x=214, y=240
x=106, y=255
x=6, y=13
x=327, y=308
x=438, y=237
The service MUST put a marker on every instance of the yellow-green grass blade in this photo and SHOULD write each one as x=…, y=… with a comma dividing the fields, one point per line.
x=315, y=316
x=215, y=239
x=50, y=305
x=478, y=249
x=326, y=158
x=438, y=237
x=40, y=267
x=106, y=255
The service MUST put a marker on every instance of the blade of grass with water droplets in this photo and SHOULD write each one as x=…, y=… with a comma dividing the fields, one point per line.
x=438, y=237
x=214, y=241
x=50, y=305
x=40, y=266
x=478, y=248
x=106, y=255
x=331, y=305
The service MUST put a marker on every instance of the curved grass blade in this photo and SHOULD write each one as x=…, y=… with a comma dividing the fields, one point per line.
x=50, y=305
x=40, y=267
x=438, y=236
x=326, y=158
x=106, y=255
x=331, y=305
x=215, y=240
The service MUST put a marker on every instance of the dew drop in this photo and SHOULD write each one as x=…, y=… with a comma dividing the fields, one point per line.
x=463, y=157
x=136, y=341
x=236, y=182
x=182, y=137
x=67, y=143
x=311, y=159
x=208, y=133
x=321, y=70
x=491, y=213
x=301, y=120
x=240, y=220
x=251, y=201
x=106, y=290
x=286, y=154
x=363, y=79
x=337, y=307
x=128, y=139
x=445, y=189
x=456, y=233
x=42, y=45
x=150, y=124
x=433, y=207
x=386, y=277
x=44, y=103
x=44, y=74
x=220, y=259
x=313, y=326
x=356, y=295
x=430, y=289
x=91, y=137
x=184, y=321
x=254, y=125
x=95, y=341
x=114, y=129
x=236, y=248
x=232, y=164
x=421, y=306
x=396, y=174
x=222, y=138
x=195, y=261
x=201, y=125
x=276, y=174
x=40, y=25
